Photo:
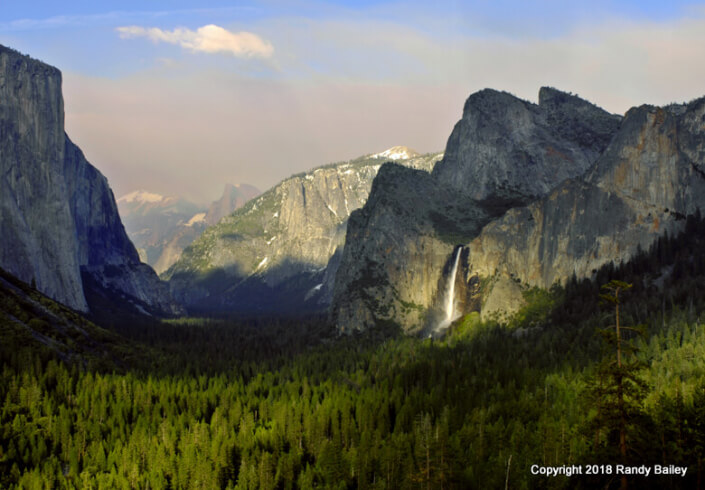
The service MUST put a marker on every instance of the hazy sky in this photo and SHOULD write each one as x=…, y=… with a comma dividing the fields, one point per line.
x=178, y=98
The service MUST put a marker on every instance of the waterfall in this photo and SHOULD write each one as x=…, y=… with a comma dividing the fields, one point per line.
x=449, y=309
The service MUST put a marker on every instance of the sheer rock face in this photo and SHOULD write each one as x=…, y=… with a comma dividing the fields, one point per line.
x=396, y=247
x=504, y=152
x=645, y=183
x=278, y=252
x=59, y=217
x=508, y=148
x=38, y=239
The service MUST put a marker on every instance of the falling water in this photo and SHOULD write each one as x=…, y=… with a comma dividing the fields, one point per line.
x=450, y=294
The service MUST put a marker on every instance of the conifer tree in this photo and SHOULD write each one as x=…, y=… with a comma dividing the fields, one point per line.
x=617, y=388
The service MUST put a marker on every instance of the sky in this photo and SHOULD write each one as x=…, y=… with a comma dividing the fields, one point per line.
x=180, y=97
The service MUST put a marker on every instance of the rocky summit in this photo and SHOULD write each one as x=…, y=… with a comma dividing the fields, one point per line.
x=648, y=180
x=280, y=252
x=233, y=197
x=59, y=222
x=504, y=152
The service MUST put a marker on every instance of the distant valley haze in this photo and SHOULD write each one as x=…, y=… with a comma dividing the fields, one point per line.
x=180, y=97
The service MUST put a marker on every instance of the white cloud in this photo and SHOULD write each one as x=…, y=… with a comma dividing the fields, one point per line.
x=206, y=39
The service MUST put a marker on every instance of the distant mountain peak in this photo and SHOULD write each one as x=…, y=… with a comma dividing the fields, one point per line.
x=141, y=196
x=234, y=196
x=397, y=153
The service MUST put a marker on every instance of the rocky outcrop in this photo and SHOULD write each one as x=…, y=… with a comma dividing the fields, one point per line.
x=278, y=252
x=504, y=152
x=503, y=299
x=645, y=183
x=58, y=216
x=506, y=148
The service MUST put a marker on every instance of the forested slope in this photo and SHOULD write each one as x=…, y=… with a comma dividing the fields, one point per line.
x=224, y=405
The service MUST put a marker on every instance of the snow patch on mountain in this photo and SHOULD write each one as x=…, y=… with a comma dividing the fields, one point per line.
x=397, y=153
x=141, y=196
x=197, y=218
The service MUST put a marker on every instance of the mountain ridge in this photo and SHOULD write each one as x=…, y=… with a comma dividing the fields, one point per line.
x=281, y=246
x=162, y=226
x=644, y=185
x=503, y=153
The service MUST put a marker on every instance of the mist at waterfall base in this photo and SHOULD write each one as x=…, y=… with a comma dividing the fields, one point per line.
x=450, y=314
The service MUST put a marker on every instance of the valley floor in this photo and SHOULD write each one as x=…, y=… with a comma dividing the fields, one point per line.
x=284, y=404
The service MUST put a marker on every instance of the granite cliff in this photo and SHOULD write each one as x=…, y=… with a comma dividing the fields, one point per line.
x=58, y=219
x=280, y=252
x=504, y=152
x=645, y=183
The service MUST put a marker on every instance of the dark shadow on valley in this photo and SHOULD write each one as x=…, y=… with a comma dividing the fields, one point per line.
x=286, y=289
x=234, y=237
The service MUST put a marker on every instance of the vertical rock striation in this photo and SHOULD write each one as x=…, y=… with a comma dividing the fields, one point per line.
x=644, y=184
x=39, y=243
x=58, y=217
